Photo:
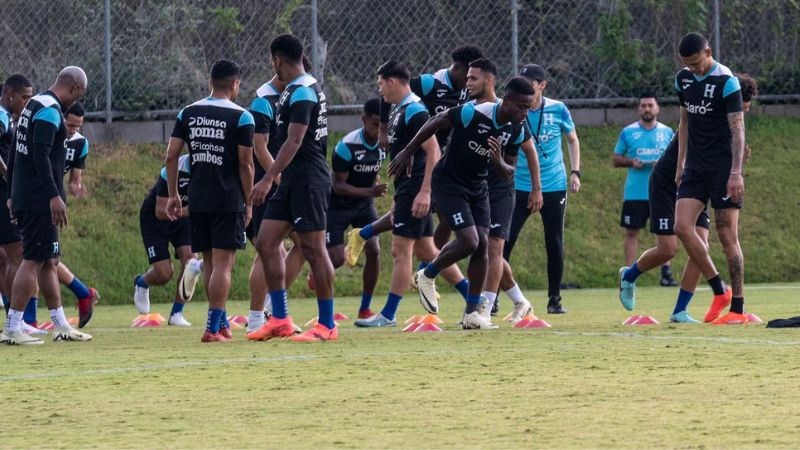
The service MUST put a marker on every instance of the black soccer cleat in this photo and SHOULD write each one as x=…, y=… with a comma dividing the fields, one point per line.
x=554, y=305
x=495, y=307
x=668, y=281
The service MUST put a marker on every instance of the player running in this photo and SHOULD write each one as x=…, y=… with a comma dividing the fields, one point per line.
x=482, y=136
x=219, y=134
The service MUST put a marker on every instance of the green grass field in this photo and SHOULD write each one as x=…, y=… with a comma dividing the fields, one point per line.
x=586, y=382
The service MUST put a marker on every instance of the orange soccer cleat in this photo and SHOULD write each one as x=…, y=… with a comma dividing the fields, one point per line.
x=318, y=333
x=274, y=328
x=719, y=303
x=731, y=318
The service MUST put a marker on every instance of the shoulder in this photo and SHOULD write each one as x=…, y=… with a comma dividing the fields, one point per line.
x=353, y=137
x=267, y=90
x=443, y=77
x=414, y=107
x=303, y=94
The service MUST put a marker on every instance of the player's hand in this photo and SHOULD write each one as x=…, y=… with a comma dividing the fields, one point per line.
x=248, y=215
x=401, y=163
x=495, y=149
x=77, y=190
x=535, y=201
x=174, y=208
x=379, y=190
x=58, y=211
x=574, y=183
x=421, y=205
x=637, y=163
x=736, y=187
x=10, y=205
x=260, y=190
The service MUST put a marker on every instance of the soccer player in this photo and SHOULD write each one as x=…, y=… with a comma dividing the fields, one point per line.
x=356, y=162
x=219, y=134
x=548, y=120
x=38, y=202
x=301, y=200
x=710, y=152
x=157, y=233
x=639, y=146
x=482, y=136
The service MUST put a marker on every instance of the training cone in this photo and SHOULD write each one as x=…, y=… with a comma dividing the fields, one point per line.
x=412, y=327
x=425, y=327
x=414, y=319
x=508, y=317
x=752, y=318
x=238, y=320
x=526, y=321
x=46, y=326
x=631, y=320
x=431, y=319
x=538, y=323
x=146, y=323
x=340, y=316
x=646, y=320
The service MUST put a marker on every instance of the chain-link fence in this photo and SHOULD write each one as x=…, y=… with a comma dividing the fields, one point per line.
x=596, y=51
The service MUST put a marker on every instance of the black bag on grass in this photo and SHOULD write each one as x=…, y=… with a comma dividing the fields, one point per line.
x=794, y=322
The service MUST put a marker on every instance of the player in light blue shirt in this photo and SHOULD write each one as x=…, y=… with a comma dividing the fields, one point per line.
x=638, y=148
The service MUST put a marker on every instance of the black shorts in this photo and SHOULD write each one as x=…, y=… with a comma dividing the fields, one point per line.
x=461, y=206
x=39, y=236
x=258, y=215
x=405, y=224
x=9, y=232
x=707, y=185
x=158, y=234
x=501, y=209
x=634, y=214
x=340, y=218
x=305, y=207
x=217, y=230
x=662, y=207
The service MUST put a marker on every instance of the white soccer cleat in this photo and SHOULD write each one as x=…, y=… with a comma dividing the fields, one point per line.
x=177, y=320
x=253, y=325
x=475, y=321
x=70, y=334
x=521, y=310
x=485, y=308
x=19, y=338
x=141, y=298
x=189, y=279
x=30, y=329
x=428, y=296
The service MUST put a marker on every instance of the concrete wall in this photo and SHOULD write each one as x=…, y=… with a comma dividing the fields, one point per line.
x=158, y=131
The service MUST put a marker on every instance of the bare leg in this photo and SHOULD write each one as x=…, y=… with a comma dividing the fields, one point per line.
x=631, y=245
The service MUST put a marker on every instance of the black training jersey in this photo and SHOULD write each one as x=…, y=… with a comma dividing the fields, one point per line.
x=214, y=128
x=160, y=189
x=304, y=102
x=361, y=162
x=263, y=110
x=709, y=99
x=405, y=121
x=438, y=94
x=664, y=170
x=77, y=151
x=38, y=162
x=6, y=138
x=468, y=158
x=493, y=180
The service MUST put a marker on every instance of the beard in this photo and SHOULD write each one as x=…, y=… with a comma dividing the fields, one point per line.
x=647, y=117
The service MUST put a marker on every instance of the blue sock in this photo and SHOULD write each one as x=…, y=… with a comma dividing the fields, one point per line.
x=79, y=289
x=279, y=304
x=463, y=287
x=325, y=312
x=29, y=316
x=140, y=282
x=684, y=297
x=631, y=274
x=366, y=299
x=390, y=309
x=431, y=271
x=422, y=265
x=473, y=302
x=6, y=301
x=177, y=307
x=223, y=320
x=366, y=232
x=212, y=325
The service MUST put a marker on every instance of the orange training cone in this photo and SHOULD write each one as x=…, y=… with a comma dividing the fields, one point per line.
x=431, y=319
x=414, y=319
x=508, y=317
x=632, y=319
x=646, y=320
x=752, y=318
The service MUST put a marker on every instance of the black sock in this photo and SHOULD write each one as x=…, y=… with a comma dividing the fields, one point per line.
x=472, y=307
x=737, y=305
x=666, y=271
x=717, y=285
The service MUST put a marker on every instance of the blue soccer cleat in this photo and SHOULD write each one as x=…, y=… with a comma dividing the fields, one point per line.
x=627, y=291
x=376, y=321
x=682, y=317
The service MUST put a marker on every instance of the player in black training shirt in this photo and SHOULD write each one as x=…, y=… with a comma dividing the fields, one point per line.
x=483, y=137
x=38, y=202
x=301, y=201
x=710, y=152
x=219, y=134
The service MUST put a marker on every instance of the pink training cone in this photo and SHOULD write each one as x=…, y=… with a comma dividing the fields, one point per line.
x=522, y=323
x=632, y=319
x=646, y=320
x=539, y=323
x=412, y=327
x=238, y=320
x=425, y=327
x=413, y=319
x=340, y=316
x=146, y=323
x=46, y=326
x=752, y=318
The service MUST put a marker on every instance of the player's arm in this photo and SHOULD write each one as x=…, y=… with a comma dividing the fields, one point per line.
x=263, y=115
x=383, y=129
x=76, y=183
x=45, y=125
x=246, y=128
x=620, y=150
x=736, y=180
x=574, y=146
x=3, y=127
x=174, y=207
x=402, y=161
x=340, y=162
x=535, y=199
x=683, y=143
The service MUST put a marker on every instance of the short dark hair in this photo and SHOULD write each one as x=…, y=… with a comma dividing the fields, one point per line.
x=224, y=72
x=520, y=86
x=692, y=43
x=484, y=64
x=749, y=86
x=287, y=46
x=16, y=83
x=76, y=110
x=394, y=69
x=372, y=107
x=466, y=54
x=649, y=94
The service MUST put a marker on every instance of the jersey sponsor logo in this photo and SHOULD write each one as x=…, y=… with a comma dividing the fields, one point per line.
x=478, y=148
x=648, y=151
x=702, y=109
x=367, y=168
x=204, y=127
x=206, y=157
x=440, y=109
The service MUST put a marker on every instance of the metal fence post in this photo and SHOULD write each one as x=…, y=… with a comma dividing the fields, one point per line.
x=514, y=37
x=107, y=26
x=716, y=31
x=315, y=41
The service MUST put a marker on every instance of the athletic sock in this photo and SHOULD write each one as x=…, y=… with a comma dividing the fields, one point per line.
x=58, y=318
x=212, y=325
x=326, y=312
x=140, y=282
x=255, y=317
x=515, y=294
x=421, y=266
x=666, y=271
x=268, y=304
x=473, y=301
x=737, y=305
x=366, y=300
x=177, y=308
x=279, y=304
x=390, y=309
x=490, y=298
x=79, y=289
x=14, y=320
x=463, y=287
x=30, y=311
x=431, y=271
x=632, y=273
x=223, y=320
x=367, y=232
x=717, y=285
x=684, y=297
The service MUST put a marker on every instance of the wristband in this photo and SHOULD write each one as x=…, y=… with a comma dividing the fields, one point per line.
x=576, y=172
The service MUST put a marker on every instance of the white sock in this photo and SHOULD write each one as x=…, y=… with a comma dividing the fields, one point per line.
x=515, y=294
x=268, y=305
x=14, y=320
x=255, y=317
x=490, y=298
x=58, y=318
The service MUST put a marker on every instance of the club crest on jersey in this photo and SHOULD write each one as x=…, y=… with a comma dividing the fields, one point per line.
x=709, y=90
x=504, y=138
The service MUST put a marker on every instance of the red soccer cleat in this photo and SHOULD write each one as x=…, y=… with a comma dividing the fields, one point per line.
x=274, y=328
x=365, y=314
x=719, y=303
x=731, y=318
x=318, y=333
x=213, y=337
x=86, y=307
x=226, y=333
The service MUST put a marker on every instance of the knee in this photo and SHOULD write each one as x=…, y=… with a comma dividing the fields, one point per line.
x=373, y=250
x=682, y=230
x=667, y=250
x=264, y=247
x=337, y=258
x=163, y=273
x=469, y=239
